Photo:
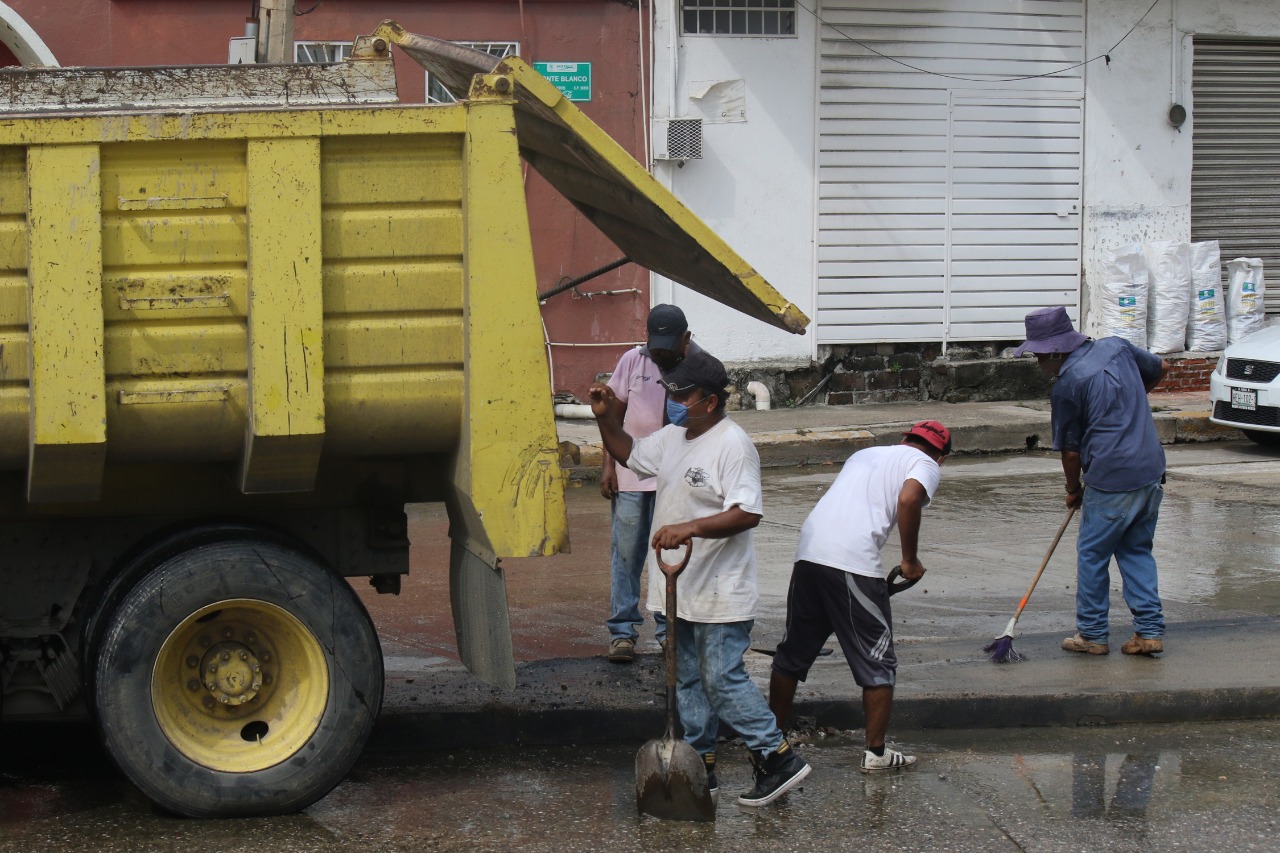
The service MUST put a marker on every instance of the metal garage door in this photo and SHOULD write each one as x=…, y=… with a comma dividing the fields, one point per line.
x=949, y=206
x=1235, y=166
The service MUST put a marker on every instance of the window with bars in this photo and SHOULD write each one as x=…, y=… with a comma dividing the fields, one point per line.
x=739, y=17
x=438, y=94
x=321, y=51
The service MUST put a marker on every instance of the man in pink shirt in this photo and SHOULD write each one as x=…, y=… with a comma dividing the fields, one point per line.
x=636, y=383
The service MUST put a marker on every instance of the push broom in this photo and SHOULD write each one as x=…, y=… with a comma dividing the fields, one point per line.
x=1001, y=648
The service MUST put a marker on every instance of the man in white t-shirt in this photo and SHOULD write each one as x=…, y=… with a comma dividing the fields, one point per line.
x=839, y=584
x=708, y=495
x=637, y=383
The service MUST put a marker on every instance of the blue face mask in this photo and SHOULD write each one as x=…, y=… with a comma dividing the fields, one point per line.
x=677, y=413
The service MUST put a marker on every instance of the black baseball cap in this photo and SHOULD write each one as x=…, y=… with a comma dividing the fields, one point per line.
x=697, y=370
x=667, y=326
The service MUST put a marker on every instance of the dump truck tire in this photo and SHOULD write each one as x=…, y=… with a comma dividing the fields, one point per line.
x=141, y=560
x=237, y=678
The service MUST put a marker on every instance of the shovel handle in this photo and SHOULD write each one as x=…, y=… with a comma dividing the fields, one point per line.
x=898, y=583
x=669, y=570
x=672, y=572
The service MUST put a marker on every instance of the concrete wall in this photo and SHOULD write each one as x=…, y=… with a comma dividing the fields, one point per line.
x=1137, y=185
x=755, y=182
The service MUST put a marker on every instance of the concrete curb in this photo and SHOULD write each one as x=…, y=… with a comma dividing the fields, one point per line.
x=1031, y=430
x=436, y=730
x=944, y=684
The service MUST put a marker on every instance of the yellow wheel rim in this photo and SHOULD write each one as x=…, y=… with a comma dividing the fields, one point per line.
x=240, y=686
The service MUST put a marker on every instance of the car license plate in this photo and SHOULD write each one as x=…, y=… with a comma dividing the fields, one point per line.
x=1245, y=399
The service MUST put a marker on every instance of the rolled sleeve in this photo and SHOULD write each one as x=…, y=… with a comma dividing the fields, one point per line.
x=741, y=479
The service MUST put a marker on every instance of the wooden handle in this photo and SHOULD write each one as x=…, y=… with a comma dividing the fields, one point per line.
x=1061, y=529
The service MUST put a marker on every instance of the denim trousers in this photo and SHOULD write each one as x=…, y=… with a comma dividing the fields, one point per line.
x=632, y=518
x=1123, y=525
x=712, y=685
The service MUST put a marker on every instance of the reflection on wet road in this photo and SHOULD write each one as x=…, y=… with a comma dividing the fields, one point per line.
x=1123, y=788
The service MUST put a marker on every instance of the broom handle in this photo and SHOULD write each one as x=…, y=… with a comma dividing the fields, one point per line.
x=1061, y=529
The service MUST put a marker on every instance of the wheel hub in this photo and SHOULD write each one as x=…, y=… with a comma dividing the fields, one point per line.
x=239, y=685
x=232, y=673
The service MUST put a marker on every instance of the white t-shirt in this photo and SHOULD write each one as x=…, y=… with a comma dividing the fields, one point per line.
x=851, y=522
x=697, y=478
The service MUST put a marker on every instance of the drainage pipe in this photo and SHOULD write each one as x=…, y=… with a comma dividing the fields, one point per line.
x=761, y=393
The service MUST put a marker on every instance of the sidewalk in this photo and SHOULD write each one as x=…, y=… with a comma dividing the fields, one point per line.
x=817, y=434
x=1222, y=663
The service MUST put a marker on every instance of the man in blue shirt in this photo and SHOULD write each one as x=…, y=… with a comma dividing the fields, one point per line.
x=1114, y=466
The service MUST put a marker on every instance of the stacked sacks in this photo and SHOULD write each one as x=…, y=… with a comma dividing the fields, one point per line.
x=1169, y=299
x=1207, y=322
x=1168, y=296
x=1125, y=281
x=1246, y=312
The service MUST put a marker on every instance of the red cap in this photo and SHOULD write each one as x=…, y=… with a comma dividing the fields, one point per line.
x=938, y=436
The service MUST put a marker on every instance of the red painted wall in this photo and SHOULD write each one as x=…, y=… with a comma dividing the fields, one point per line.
x=605, y=33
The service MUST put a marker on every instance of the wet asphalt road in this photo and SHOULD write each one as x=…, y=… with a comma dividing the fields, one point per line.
x=1124, y=788
x=982, y=539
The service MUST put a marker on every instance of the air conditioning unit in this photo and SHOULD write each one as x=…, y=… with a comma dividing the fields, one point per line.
x=677, y=138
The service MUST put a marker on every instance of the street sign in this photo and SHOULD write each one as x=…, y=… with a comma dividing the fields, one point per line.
x=573, y=79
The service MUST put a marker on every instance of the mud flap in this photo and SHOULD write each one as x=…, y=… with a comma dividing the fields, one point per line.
x=478, y=596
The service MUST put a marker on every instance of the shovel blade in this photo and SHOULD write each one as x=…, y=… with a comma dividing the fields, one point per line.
x=671, y=782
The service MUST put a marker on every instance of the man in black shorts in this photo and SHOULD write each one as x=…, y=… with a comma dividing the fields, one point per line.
x=838, y=584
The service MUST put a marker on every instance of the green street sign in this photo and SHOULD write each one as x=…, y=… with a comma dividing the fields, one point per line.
x=573, y=79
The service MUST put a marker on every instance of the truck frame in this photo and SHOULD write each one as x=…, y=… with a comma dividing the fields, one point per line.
x=247, y=314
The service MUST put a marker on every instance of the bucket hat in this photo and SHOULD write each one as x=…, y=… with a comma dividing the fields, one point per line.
x=1049, y=330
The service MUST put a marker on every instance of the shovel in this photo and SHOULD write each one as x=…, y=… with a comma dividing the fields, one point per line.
x=671, y=779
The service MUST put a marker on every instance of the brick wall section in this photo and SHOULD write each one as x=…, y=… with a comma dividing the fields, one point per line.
x=1188, y=372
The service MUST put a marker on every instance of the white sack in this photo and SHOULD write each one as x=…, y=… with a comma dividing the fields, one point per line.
x=1125, y=281
x=1207, y=324
x=1246, y=313
x=1169, y=298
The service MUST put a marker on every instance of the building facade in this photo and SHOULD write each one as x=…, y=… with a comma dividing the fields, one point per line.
x=928, y=173
x=915, y=175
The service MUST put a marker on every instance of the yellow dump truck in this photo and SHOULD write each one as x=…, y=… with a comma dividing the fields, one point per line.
x=247, y=313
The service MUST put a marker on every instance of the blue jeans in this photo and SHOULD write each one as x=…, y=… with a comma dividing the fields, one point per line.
x=1120, y=524
x=712, y=685
x=632, y=518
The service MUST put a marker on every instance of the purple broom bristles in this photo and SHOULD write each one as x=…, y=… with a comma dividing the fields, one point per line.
x=1002, y=651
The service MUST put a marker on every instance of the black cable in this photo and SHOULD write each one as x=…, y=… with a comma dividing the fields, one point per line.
x=864, y=46
x=298, y=14
x=574, y=282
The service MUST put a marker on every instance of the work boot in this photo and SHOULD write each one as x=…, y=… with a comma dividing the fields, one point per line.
x=1088, y=647
x=713, y=783
x=1143, y=646
x=891, y=760
x=622, y=650
x=775, y=775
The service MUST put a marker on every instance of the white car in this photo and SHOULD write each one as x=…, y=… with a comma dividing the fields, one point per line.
x=1245, y=387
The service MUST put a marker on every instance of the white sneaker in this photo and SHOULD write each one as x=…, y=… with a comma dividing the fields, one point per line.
x=891, y=760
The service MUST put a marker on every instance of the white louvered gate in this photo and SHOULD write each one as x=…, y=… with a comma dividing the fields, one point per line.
x=947, y=208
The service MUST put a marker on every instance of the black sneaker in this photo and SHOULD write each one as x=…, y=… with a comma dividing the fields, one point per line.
x=713, y=783
x=775, y=775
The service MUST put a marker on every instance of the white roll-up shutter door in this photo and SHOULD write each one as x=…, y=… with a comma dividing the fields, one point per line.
x=1235, y=171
